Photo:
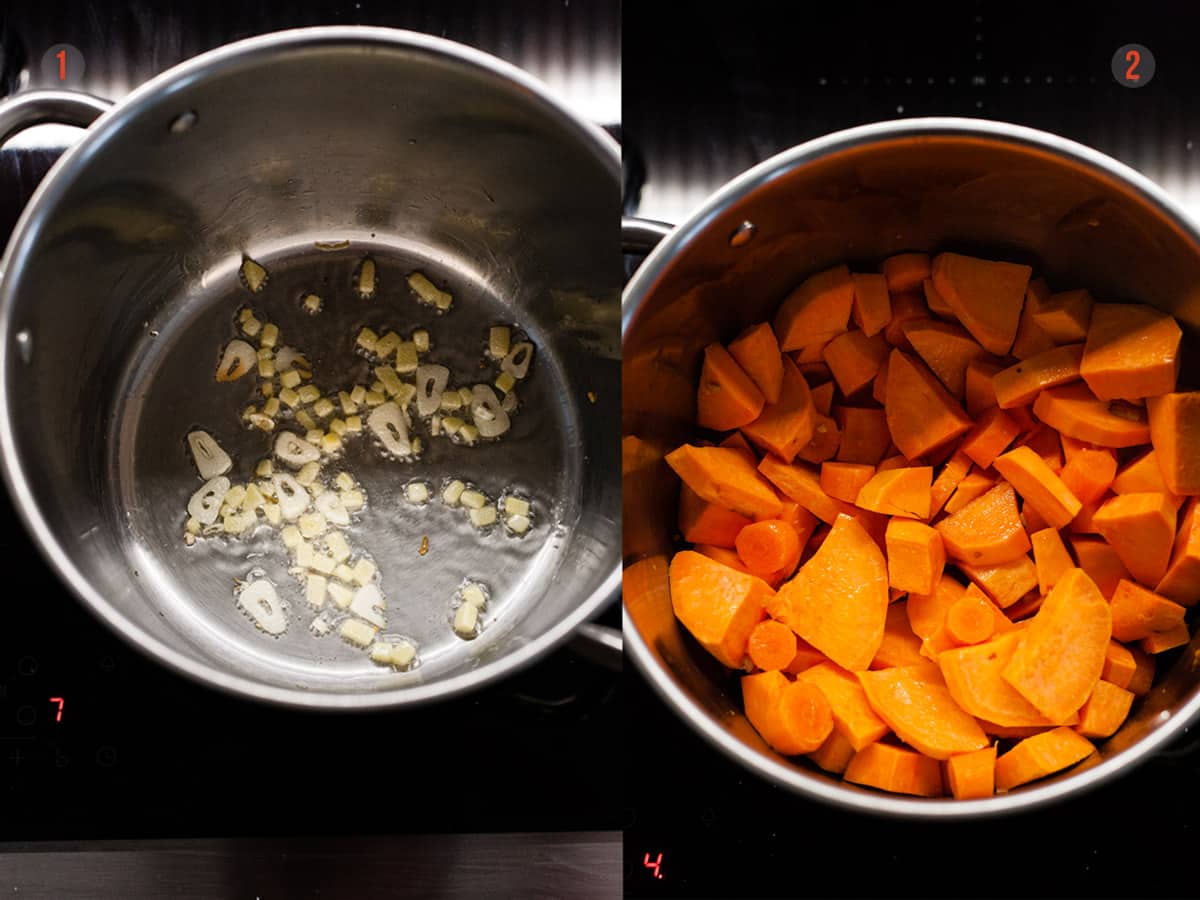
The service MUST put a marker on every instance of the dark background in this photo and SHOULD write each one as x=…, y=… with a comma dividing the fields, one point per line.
x=709, y=92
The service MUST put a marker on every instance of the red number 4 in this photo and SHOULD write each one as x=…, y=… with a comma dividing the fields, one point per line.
x=1133, y=58
x=653, y=865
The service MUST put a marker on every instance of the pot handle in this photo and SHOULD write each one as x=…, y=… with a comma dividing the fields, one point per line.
x=640, y=236
x=31, y=108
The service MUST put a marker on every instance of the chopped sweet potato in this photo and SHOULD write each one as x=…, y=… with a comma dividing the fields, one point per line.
x=915, y=556
x=1005, y=583
x=896, y=770
x=817, y=310
x=927, y=612
x=986, y=296
x=844, y=480
x=898, y=492
x=973, y=485
x=900, y=645
x=757, y=352
x=852, y=714
x=1089, y=472
x=989, y=437
x=785, y=427
x=921, y=712
x=905, y=271
x=1119, y=665
x=1141, y=529
x=1137, y=613
x=973, y=677
x=726, y=398
x=718, y=605
x=980, y=390
x=1019, y=385
x=1181, y=582
x=1050, y=557
x=947, y=480
x=987, y=531
x=1175, y=433
x=1101, y=563
x=792, y=716
x=1105, y=711
x=905, y=307
x=1030, y=339
x=802, y=485
x=1038, y=485
x=1142, y=475
x=725, y=477
x=1065, y=316
x=872, y=308
x=701, y=522
x=1132, y=351
x=1074, y=411
x=834, y=755
x=865, y=436
x=947, y=349
x=854, y=359
x=1161, y=641
x=921, y=414
x=971, y=776
x=1039, y=756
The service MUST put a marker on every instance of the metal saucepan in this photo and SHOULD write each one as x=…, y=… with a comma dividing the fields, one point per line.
x=1080, y=217
x=308, y=150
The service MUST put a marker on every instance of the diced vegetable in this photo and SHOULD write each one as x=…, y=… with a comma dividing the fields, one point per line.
x=258, y=600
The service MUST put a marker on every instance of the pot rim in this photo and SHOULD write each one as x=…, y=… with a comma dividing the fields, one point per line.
x=775, y=768
x=49, y=191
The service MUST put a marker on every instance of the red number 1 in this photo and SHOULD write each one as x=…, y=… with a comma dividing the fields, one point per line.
x=59, y=701
x=62, y=64
x=1133, y=58
x=653, y=865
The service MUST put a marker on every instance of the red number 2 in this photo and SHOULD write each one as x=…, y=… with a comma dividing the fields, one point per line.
x=62, y=64
x=1133, y=58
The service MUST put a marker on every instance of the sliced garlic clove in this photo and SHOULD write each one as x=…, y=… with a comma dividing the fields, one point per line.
x=498, y=341
x=210, y=459
x=389, y=423
x=342, y=596
x=336, y=543
x=366, y=279
x=205, y=504
x=290, y=358
x=431, y=383
x=358, y=633
x=238, y=359
x=425, y=289
x=293, y=498
x=364, y=571
x=259, y=601
x=312, y=304
x=368, y=603
x=254, y=276
x=330, y=505
x=466, y=620
x=517, y=362
x=294, y=450
x=314, y=590
x=509, y=403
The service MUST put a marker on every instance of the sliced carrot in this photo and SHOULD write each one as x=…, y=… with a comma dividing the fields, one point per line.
x=854, y=359
x=1143, y=675
x=865, y=434
x=1037, y=483
x=726, y=398
x=1119, y=665
x=979, y=390
x=838, y=600
x=1019, y=385
x=1132, y=352
x=971, y=619
x=971, y=776
x=872, y=308
x=1143, y=475
x=900, y=646
x=1101, y=563
x=1181, y=583
x=802, y=485
x=947, y=349
x=1045, y=442
x=772, y=645
x=1061, y=654
x=725, y=477
x=1161, y=641
x=1074, y=410
x=718, y=605
x=898, y=492
x=921, y=711
x=905, y=308
x=1175, y=432
x=1039, y=756
x=792, y=716
x=927, y=612
x=896, y=770
x=1065, y=316
x=973, y=677
x=921, y=413
x=1141, y=529
x=1050, y=558
x=948, y=479
x=1137, y=613
x=915, y=556
x=817, y=310
x=806, y=657
x=905, y=271
x=822, y=396
x=757, y=352
x=768, y=545
x=1004, y=583
x=785, y=427
x=1089, y=472
x=1105, y=711
x=975, y=484
x=985, y=295
x=936, y=302
x=1030, y=339
x=987, y=531
x=852, y=714
x=701, y=522
x=834, y=755
x=844, y=480
x=993, y=431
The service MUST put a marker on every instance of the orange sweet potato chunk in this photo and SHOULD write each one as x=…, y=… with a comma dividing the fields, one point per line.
x=718, y=605
x=872, y=303
x=1038, y=485
x=1105, y=711
x=1137, y=613
x=1132, y=351
x=921, y=414
x=947, y=349
x=1074, y=410
x=973, y=677
x=1181, y=583
x=985, y=295
x=784, y=428
x=915, y=556
x=1039, y=756
x=902, y=491
x=1175, y=432
x=900, y=646
x=896, y=770
x=852, y=714
x=971, y=776
x=726, y=397
x=818, y=310
x=1141, y=529
x=757, y=352
x=987, y=531
x=1019, y=385
x=701, y=522
x=725, y=476
x=921, y=711
x=855, y=359
x=1065, y=316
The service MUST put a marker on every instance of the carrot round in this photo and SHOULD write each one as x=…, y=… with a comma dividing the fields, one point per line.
x=772, y=645
x=971, y=619
x=921, y=711
x=757, y=352
x=792, y=716
x=768, y=545
x=1039, y=756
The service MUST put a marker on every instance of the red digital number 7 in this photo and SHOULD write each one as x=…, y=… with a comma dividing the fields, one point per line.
x=59, y=701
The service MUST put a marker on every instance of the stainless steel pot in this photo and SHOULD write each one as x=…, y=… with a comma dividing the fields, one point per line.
x=1081, y=218
x=307, y=150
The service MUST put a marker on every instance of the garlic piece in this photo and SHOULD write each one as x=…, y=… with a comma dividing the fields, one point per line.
x=294, y=450
x=312, y=304
x=431, y=383
x=474, y=595
x=366, y=279
x=312, y=525
x=367, y=340
x=331, y=507
x=473, y=499
x=428, y=293
x=509, y=403
x=291, y=358
x=515, y=506
x=420, y=339
x=466, y=620
x=389, y=423
x=320, y=626
x=205, y=504
x=259, y=601
x=417, y=492
x=504, y=383
x=352, y=500
x=341, y=595
x=348, y=404
x=323, y=407
x=517, y=524
x=314, y=590
x=290, y=379
x=254, y=276
x=468, y=434
x=270, y=335
x=387, y=344
x=236, y=361
x=358, y=633
x=290, y=535
x=498, y=341
x=293, y=498
x=336, y=543
x=309, y=472
x=483, y=518
x=406, y=357
x=381, y=652
x=344, y=481
x=490, y=418
x=403, y=653
x=364, y=571
x=453, y=492
x=368, y=603
x=389, y=379
x=309, y=393
x=517, y=362
x=210, y=459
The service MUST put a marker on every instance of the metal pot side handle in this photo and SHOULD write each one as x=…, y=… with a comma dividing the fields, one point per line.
x=31, y=108
x=640, y=236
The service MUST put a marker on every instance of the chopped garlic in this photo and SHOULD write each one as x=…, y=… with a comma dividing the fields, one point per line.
x=354, y=424
x=416, y=446
x=366, y=279
x=343, y=572
x=273, y=513
x=466, y=619
x=358, y=633
x=515, y=506
x=251, y=327
x=387, y=344
x=270, y=335
x=312, y=525
x=374, y=398
x=208, y=456
x=245, y=313
x=425, y=289
x=338, y=427
x=517, y=524
x=259, y=601
x=294, y=450
x=435, y=426
x=451, y=425
x=342, y=596
x=323, y=563
x=312, y=304
x=344, y=481
x=290, y=397
x=314, y=436
x=291, y=358
x=377, y=387
x=271, y=407
x=358, y=394
x=473, y=499
x=189, y=539
x=304, y=553
x=498, y=339
x=473, y=595
x=261, y=421
x=505, y=382
x=314, y=590
x=349, y=407
x=406, y=393
x=417, y=492
x=381, y=652
x=352, y=500
x=389, y=379
x=323, y=407
x=420, y=339
x=192, y=525
x=252, y=498
x=235, y=495
x=254, y=276
x=431, y=384
x=236, y=361
x=451, y=401
x=319, y=626
x=268, y=388
x=490, y=419
x=482, y=518
x=291, y=537
x=331, y=507
x=465, y=395
x=389, y=423
x=266, y=368
x=453, y=492
x=517, y=362
x=293, y=498
x=309, y=472
x=367, y=339
x=509, y=403
x=331, y=444
x=406, y=357
x=237, y=523
x=369, y=604
x=338, y=548
x=305, y=421
x=290, y=379
x=309, y=393
x=469, y=434
x=364, y=571
x=265, y=353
